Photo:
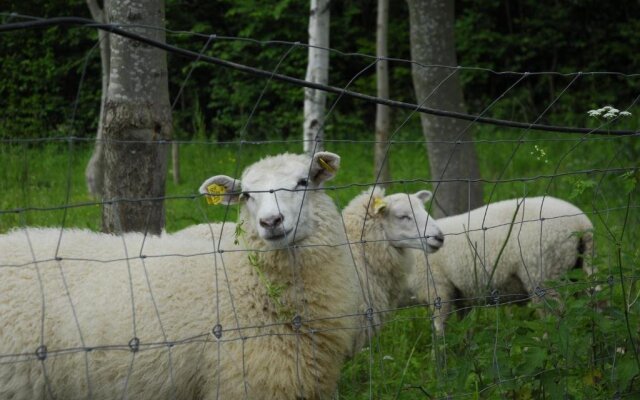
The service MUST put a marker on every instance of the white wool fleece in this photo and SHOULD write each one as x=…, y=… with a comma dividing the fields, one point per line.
x=275, y=322
x=549, y=236
x=382, y=231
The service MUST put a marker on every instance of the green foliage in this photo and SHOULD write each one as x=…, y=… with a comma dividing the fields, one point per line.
x=537, y=36
x=232, y=96
x=579, y=187
x=630, y=181
x=238, y=232
x=274, y=290
x=42, y=68
x=41, y=71
x=501, y=352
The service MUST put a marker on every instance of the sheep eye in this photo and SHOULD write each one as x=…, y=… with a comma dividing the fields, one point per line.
x=404, y=217
x=303, y=182
x=245, y=195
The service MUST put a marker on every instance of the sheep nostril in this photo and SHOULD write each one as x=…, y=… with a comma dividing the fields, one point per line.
x=439, y=239
x=278, y=220
x=272, y=222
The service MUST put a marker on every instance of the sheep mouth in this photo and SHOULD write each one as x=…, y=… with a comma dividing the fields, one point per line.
x=432, y=249
x=433, y=245
x=275, y=236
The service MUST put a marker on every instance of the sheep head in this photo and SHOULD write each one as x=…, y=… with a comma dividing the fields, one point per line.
x=405, y=222
x=277, y=193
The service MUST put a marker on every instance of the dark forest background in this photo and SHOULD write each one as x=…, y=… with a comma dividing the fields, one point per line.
x=41, y=69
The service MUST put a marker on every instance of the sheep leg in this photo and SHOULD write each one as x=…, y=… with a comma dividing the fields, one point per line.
x=585, y=253
x=442, y=306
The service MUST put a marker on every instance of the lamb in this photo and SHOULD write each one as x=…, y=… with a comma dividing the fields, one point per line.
x=381, y=229
x=548, y=237
x=181, y=318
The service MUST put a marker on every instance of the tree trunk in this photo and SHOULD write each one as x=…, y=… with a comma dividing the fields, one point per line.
x=318, y=72
x=383, y=113
x=432, y=42
x=175, y=162
x=137, y=116
x=94, y=173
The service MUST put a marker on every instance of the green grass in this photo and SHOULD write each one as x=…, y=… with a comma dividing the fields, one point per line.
x=494, y=352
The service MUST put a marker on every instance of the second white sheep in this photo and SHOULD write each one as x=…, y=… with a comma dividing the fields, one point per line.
x=382, y=231
x=508, y=248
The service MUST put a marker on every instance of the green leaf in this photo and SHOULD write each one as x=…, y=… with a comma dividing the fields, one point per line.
x=580, y=186
x=551, y=386
x=592, y=377
x=626, y=369
x=533, y=360
x=629, y=181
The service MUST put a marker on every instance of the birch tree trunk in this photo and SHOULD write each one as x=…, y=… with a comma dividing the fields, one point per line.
x=318, y=72
x=432, y=42
x=94, y=173
x=137, y=116
x=383, y=113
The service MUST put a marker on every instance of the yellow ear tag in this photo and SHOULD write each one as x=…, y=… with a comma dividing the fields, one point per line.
x=378, y=204
x=325, y=165
x=215, y=193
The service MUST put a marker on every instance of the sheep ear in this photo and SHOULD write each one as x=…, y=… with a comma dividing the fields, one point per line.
x=221, y=189
x=424, y=195
x=324, y=166
x=379, y=205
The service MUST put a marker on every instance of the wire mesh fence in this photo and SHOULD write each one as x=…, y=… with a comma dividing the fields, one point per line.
x=294, y=286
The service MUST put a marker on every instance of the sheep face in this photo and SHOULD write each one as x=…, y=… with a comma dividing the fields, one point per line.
x=277, y=194
x=406, y=223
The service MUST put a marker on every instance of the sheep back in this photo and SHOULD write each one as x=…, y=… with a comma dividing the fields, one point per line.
x=92, y=356
x=546, y=240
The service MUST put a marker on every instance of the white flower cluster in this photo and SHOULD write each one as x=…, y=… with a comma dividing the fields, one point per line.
x=540, y=154
x=608, y=113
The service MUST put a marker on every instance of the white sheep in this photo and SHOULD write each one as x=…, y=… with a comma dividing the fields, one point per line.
x=381, y=230
x=208, y=231
x=211, y=231
x=178, y=320
x=546, y=238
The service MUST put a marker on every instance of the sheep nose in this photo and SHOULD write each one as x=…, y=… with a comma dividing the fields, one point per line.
x=439, y=238
x=272, y=222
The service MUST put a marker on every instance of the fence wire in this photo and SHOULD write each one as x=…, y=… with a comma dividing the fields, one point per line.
x=203, y=316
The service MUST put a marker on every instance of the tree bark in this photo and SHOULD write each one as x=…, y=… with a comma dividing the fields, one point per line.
x=383, y=113
x=137, y=119
x=433, y=43
x=318, y=72
x=94, y=173
x=175, y=162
